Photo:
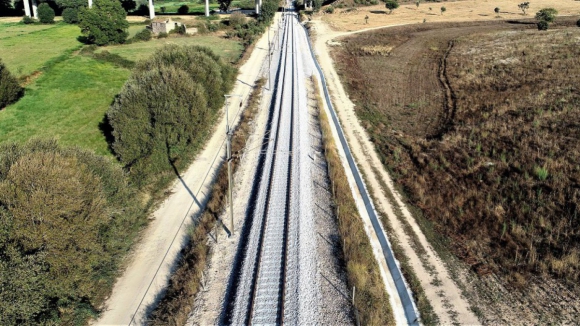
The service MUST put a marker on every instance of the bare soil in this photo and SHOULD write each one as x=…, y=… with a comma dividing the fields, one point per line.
x=477, y=122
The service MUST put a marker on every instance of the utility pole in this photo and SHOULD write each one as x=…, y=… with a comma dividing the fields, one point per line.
x=26, y=8
x=269, y=62
x=151, y=10
x=229, y=159
x=207, y=8
x=90, y=4
x=34, y=9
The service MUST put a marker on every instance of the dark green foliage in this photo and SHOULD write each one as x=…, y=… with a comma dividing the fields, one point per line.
x=70, y=15
x=391, y=5
x=547, y=15
x=524, y=6
x=543, y=25
x=28, y=20
x=578, y=23
x=496, y=10
x=166, y=109
x=329, y=9
x=144, y=35
x=6, y=8
x=71, y=3
x=250, y=31
x=65, y=219
x=128, y=5
x=183, y=10
x=104, y=23
x=162, y=35
x=10, y=90
x=224, y=5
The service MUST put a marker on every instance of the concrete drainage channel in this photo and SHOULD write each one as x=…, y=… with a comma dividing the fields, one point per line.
x=404, y=307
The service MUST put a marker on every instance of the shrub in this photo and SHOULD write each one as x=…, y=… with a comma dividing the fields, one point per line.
x=183, y=10
x=28, y=20
x=224, y=5
x=237, y=19
x=165, y=109
x=543, y=25
x=211, y=27
x=547, y=15
x=162, y=35
x=496, y=10
x=578, y=23
x=45, y=13
x=104, y=23
x=10, y=90
x=70, y=15
x=66, y=218
x=144, y=35
x=329, y=9
x=443, y=9
x=391, y=5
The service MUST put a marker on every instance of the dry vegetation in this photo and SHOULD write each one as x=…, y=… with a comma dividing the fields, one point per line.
x=177, y=304
x=371, y=300
x=478, y=123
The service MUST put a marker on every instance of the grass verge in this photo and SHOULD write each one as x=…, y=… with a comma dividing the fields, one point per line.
x=371, y=299
x=177, y=304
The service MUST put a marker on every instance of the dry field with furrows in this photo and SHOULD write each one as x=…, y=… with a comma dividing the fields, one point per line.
x=479, y=124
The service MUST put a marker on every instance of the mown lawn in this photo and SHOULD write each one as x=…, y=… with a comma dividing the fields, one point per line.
x=230, y=50
x=31, y=47
x=67, y=102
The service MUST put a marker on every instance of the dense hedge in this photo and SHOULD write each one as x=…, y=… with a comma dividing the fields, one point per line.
x=166, y=109
x=65, y=219
x=10, y=90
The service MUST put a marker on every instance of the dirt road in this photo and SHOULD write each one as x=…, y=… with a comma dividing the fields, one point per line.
x=150, y=266
x=446, y=299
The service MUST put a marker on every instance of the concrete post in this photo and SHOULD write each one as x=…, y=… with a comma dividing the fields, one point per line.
x=90, y=3
x=26, y=8
x=207, y=8
x=257, y=7
x=151, y=10
x=35, y=9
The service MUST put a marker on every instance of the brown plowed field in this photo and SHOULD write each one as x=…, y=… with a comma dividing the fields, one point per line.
x=479, y=123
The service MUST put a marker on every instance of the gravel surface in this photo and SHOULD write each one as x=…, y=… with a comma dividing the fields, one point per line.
x=315, y=288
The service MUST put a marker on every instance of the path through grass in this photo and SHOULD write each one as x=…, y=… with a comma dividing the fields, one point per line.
x=68, y=103
x=30, y=47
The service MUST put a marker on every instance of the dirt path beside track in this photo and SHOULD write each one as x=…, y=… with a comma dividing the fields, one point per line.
x=153, y=259
x=445, y=297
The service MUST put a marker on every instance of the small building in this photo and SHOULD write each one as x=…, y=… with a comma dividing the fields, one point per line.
x=166, y=25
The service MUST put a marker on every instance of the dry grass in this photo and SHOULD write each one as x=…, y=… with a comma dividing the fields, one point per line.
x=500, y=178
x=371, y=299
x=177, y=304
x=344, y=19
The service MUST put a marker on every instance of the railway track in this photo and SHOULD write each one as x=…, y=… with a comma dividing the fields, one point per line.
x=262, y=285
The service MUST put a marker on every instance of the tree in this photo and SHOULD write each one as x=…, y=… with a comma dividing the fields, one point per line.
x=128, y=5
x=70, y=15
x=10, y=90
x=104, y=23
x=391, y=5
x=417, y=3
x=71, y=3
x=45, y=13
x=183, y=10
x=6, y=7
x=224, y=5
x=443, y=9
x=496, y=10
x=547, y=14
x=524, y=6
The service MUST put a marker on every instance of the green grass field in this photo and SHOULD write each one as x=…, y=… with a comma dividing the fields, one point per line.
x=30, y=47
x=68, y=103
x=69, y=99
x=230, y=50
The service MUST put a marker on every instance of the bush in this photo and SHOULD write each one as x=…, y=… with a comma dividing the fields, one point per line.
x=162, y=35
x=10, y=90
x=104, y=23
x=578, y=23
x=176, y=85
x=543, y=25
x=183, y=10
x=28, y=20
x=391, y=5
x=70, y=15
x=45, y=13
x=67, y=216
x=237, y=19
x=547, y=15
x=144, y=35
x=329, y=9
